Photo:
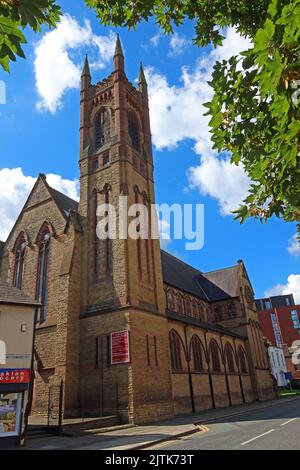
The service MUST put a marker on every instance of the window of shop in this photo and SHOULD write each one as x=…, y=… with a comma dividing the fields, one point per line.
x=10, y=414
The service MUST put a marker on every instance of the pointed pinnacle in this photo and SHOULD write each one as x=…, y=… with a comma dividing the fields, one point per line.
x=86, y=68
x=142, y=78
x=118, y=49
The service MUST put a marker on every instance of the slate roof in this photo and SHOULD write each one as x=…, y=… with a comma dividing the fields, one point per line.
x=226, y=279
x=65, y=203
x=178, y=274
x=10, y=294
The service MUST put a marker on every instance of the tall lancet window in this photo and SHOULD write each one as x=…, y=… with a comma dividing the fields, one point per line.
x=43, y=268
x=95, y=239
x=134, y=130
x=102, y=127
x=20, y=248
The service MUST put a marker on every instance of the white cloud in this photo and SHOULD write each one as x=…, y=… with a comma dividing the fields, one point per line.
x=164, y=233
x=294, y=246
x=155, y=39
x=55, y=69
x=177, y=114
x=222, y=181
x=15, y=188
x=292, y=286
x=177, y=45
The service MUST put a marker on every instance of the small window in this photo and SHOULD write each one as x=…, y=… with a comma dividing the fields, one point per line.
x=179, y=304
x=268, y=305
x=230, y=310
x=95, y=164
x=170, y=300
x=106, y=159
x=295, y=319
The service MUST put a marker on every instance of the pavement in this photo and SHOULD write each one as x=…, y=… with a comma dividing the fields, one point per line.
x=209, y=429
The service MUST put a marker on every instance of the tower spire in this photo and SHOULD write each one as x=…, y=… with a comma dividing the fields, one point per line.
x=86, y=68
x=142, y=79
x=118, y=56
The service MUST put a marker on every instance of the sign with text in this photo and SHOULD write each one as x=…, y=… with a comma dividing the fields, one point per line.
x=14, y=376
x=119, y=347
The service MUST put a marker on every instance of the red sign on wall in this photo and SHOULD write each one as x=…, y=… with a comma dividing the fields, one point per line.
x=14, y=376
x=119, y=347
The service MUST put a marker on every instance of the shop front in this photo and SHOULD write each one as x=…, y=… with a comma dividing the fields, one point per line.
x=17, y=320
x=14, y=385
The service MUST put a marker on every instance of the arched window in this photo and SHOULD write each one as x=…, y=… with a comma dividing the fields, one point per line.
x=188, y=308
x=217, y=314
x=195, y=309
x=214, y=356
x=229, y=358
x=171, y=300
x=43, y=267
x=230, y=310
x=175, y=347
x=134, y=130
x=20, y=248
x=200, y=312
x=179, y=303
x=102, y=127
x=197, y=353
x=242, y=360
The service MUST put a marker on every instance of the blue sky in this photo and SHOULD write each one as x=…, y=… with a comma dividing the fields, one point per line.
x=39, y=133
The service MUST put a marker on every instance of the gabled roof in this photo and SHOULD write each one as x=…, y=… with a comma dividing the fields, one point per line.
x=65, y=203
x=227, y=279
x=178, y=274
x=10, y=294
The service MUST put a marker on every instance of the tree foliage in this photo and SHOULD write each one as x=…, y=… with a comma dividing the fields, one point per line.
x=256, y=114
x=209, y=16
x=15, y=15
x=255, y=108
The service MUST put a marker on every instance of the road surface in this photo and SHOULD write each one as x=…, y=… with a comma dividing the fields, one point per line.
x=275, y=427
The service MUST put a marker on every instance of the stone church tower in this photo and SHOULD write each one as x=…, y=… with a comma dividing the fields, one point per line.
x=121, y=279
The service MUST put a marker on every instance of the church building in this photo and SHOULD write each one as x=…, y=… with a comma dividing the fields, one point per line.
x=128, y=329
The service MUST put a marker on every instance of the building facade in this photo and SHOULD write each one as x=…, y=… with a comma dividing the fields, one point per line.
x=278, y=365
x=130, y=329
x=17, y=314
x=279, y=318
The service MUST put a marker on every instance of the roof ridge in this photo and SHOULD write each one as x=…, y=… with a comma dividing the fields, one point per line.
x=182, y=262
x=221, y=269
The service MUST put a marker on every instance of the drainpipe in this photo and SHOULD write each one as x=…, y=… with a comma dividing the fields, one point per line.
x=189, y=369
x=31, y=383
x=239, y=372
x=209, y=374
x=226, y=375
